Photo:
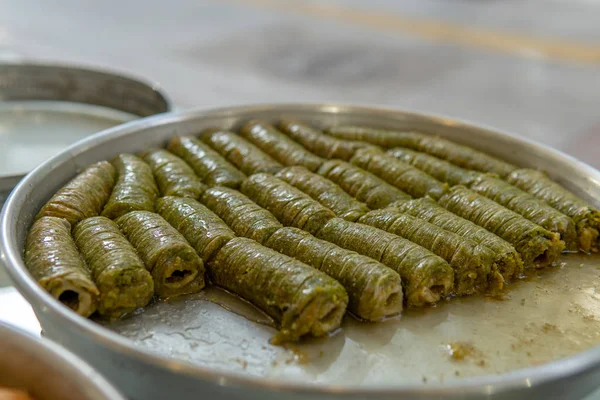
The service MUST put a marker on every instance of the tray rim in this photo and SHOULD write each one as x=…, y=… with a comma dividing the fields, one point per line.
x=11, y=257
x=91, y=69
x=70, y=364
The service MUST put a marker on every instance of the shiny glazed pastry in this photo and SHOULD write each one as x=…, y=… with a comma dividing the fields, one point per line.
x=245, y=217
x=319, y=143
x=457, y=154
x=374, y=290
x=376, y=136
x=84, y=196
x=586, y=217
x=425, y=276
x=301, y=299
x=401, y=175
x=472, y=263
x=535, y=244
x=135, y=189
x=530, y=207
x=291, y=206
x=120, y=275
x=502, y=192
x=362, y=185
x=212, y=169
x=279, y=146
x=173, y=176
x=173, y=263
x=325, y=192
x=52, y=258
x=244, y=155
x=202, y=228
x=442, y=170
x=506, y=257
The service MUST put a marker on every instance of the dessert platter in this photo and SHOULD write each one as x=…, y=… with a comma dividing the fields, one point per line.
x=321, y=251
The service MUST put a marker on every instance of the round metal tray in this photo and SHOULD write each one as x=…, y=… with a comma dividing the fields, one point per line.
x=56, y=82
x=143, y=373
x=46, y=371
x=36, y=100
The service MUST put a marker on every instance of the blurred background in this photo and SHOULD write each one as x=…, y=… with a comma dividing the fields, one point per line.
x=528, y=67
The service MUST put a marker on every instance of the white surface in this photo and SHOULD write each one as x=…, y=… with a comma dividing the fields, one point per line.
x=15, y=310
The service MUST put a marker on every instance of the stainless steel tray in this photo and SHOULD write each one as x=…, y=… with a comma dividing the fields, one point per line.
x=36, y=99
x=539, y=341
x=35, y=81
x=43, y=369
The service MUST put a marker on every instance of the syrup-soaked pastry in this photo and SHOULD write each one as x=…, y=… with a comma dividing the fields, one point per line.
x=120, y=275
x=245, y=217
x=135, y=189
x=301, y=299
x=209, y=165
x=586, y=217
x=279, y=146
x=291, y=206
x=174, y=176
x=374, y=290
x=318, y=143
x=511, y=197
x=472, y=263
x=361, y=184
x=240, y=152
x=536, y=245
x=425, y=276
x=401, y=175
x=173, y=263
x=202, y=228
x=52, y=258
x=84, y=196
x=325, y=192
x=458, y=154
